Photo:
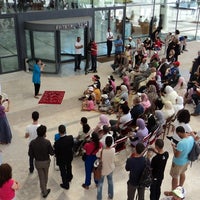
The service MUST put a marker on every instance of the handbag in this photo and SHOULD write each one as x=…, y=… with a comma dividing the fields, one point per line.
x=97, y=170
x=85, y=155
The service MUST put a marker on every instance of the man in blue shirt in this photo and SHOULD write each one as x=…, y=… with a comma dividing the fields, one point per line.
x=118, y=45
x=180, y=159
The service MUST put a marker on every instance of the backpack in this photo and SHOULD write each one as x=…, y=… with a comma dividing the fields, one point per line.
x=194, y=153
x=146, y=177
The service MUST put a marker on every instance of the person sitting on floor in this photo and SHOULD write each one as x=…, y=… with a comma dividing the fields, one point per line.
x=105, y=105
x=97, y=94
x=88, y=104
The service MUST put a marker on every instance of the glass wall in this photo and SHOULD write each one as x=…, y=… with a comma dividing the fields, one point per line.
x=138, y=20
x=112, y=18
x=8, y=48
x=67, y=41
x=44, y=45
x=53, y=48
x=41, y=45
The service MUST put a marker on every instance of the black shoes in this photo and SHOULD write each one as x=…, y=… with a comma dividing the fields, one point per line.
x=194, y=114
x=48, y=191
x=66, y=187
x=92, y=71
x=169, y=137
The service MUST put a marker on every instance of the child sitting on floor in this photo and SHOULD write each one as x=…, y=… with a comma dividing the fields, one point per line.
x=88, y=104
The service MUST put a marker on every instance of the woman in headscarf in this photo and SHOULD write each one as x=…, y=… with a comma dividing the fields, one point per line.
x=168, y=110
x=170, y=95
x=145, y=101
x=151, y=123
x=124, y=93
x=179, y=104
x=103, y=120
x=153, y=96
x=159, y=117
x=140, y=133
x=126, y=82
x=181, y=87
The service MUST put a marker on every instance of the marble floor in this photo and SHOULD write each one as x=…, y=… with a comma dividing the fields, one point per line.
x=19, y=89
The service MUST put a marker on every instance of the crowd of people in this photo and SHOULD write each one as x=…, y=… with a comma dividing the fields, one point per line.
x=160, y=93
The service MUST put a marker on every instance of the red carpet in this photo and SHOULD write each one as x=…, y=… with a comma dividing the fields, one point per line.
x=52, y=97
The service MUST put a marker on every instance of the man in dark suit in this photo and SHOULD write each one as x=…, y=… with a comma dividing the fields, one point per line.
x=64, y=156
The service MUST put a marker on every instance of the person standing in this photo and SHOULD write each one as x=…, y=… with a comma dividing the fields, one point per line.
x=78, y=53
x=91, y=148
x=40, y=149
x=88, y=58
x=93, y=56
x=108, y=160
x=31, y=133
x=135, y=165
x=132, y=46
x=118, y=45
x=158, y=164
x=180, y=159
x=5, y=132
x=37, y=68
x=109, y=37
x=64, y=156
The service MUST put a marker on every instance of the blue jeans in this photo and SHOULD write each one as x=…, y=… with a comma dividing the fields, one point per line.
x=89, y=163
x=110, y=186
x=197, y=109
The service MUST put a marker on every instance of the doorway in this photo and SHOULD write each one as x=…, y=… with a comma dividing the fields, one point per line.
x=53, y=41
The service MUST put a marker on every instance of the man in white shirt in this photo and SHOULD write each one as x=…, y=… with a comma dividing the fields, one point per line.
x=31, y=133
x=78, y=53
x=109, y=37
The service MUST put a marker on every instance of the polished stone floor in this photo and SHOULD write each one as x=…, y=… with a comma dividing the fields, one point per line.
x=19, y=89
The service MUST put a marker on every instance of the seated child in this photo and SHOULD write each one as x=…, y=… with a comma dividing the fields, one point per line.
x=88, y=104
x=105, y=104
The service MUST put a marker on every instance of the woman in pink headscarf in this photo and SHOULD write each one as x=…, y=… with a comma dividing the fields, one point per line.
x=145, y=101
x=126, y=82
x=103, y=120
